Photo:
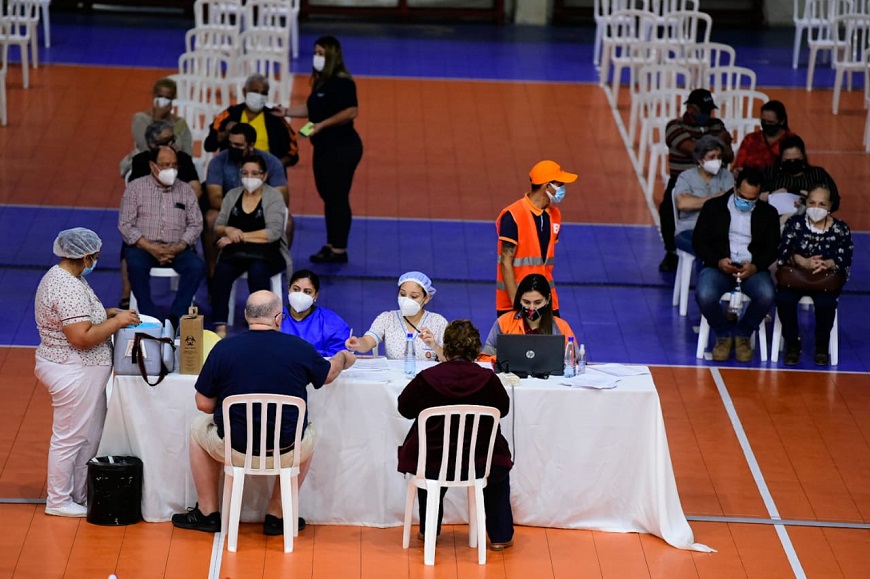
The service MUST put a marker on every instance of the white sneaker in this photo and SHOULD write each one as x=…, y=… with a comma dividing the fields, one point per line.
x=70, y=510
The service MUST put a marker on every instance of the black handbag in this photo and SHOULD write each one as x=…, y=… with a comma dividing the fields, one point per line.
x=798, y=278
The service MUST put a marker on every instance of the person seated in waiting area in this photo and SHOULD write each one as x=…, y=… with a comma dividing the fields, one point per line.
x=761, y=149
x=284, y=365
x=736, y=238
x=274, y=134
x=460, y=381
x=225, y=174
x=251, y=238
x=392, y=327
x=532, y=314
x=319, y=326
x=794, y=174
x=160, y=222
x=815, y=242
x=697, y=186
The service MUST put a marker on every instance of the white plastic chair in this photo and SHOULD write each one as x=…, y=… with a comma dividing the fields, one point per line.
x=216, y=38
x=702, y=56
x=275, y=15
x=225, y=14
x=263, y=463
x=21, y=19
x=777, y=343
x=650, y=79
x=198, y=116
x=822, y=35
x=810, y=16
x=276, y=285
x=466, y=417
x=721, y=78
x=685, y=27
x=852, y=38
x=602, y=9
x=173, y=276
x=207, y=77
x=704, y=333
x=46, y=22
x=657, y=109
x=267, y=52
x=683, y=279
x=625, y=29
x=737, y=109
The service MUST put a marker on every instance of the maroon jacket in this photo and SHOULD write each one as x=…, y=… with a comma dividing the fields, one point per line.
x=454, y=382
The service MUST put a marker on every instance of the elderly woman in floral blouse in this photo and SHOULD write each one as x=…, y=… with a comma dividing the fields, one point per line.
x=814, y=242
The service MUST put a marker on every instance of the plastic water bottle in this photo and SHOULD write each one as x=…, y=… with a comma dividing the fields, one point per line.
x=735, y=304
x=410, y=356
x=581, y=360
x=570, y=363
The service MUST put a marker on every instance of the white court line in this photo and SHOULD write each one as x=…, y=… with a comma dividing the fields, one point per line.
x=755, y=469
x=217, y=552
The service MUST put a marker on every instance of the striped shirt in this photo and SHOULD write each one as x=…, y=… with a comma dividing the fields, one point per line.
x=160, y=214
x=680, y=130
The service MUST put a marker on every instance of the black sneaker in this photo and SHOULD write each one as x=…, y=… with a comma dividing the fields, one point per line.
x=327, y=255
x=669, y=263
x=822, y=358
x=194, y=519
x=792, y=353
x=273, y=526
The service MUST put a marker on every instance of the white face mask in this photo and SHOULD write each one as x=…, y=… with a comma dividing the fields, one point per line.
x=816, y=214
x=409, y=307
x=251, y=184
x=318, y=62
x=255, y=101
x=712, y=166
x=162, y=102
x=299, y=301
x=167, y=176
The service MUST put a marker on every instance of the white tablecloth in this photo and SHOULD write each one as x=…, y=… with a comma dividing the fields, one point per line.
x=585, y=459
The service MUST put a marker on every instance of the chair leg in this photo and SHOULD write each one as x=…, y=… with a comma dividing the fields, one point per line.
x=685, y=283
x=473, y=523
x=480, y=517
x=225, y=507
x=678, y=284
x=762, y=341
x=235, y=509
x=231, y=307
x=834, y=341
x=25, y=66
x=811, y=68
x=288, y=509
x=433, y=499
x=703, y=338
x=776, y=338
x=798, y=36
x=46, y=26
x=838, y=81
x=409, y=514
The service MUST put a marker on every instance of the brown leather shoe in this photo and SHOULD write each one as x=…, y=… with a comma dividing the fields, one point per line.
x=501, y=546
x=743, y=349
x=722, y=349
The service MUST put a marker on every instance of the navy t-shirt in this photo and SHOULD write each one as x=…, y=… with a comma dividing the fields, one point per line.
x=327, y=99
x=260, y=362
x=508, y=228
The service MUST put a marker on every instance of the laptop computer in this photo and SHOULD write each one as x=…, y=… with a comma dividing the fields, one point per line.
x=538, y=355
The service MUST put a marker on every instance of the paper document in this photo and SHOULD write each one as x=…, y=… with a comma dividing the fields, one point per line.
x=364, y=364
x=618, y=369
x=591, y=380
x=783, y=202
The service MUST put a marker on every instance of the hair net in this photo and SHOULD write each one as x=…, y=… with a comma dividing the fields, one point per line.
x=420, y=278
x=76, y=243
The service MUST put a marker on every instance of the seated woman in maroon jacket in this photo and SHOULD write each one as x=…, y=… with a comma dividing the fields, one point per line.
x=460, y=380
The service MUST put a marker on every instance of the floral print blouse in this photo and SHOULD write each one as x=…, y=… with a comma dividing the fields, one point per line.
x=834, y=243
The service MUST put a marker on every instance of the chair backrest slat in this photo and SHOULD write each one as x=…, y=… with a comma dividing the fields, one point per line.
x=457, y=421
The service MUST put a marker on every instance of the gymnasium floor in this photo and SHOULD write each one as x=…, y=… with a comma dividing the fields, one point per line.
x=452, y=118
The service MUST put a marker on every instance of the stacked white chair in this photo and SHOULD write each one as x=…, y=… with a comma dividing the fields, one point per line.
x=213, y=39
x=852, y=38
x=266, y=51
x=660, y=108
x=624, y=30
x=683, y=278
x=21, y=20
x=737, y=109
x=225, y=14
x=685, y=28
x=702, y=56
x=823, y=36
x=602, y=9
x=275, y=14
x=640, y=56
x=724, y=78
x=650, y=81
x=808, y=15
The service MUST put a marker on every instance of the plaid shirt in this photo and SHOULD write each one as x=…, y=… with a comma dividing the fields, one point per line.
x=158, y=213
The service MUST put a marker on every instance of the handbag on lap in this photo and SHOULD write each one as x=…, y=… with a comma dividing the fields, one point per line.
x=798, y=278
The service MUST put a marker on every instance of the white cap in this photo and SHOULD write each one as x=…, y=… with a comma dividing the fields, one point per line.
x=76, y=243
x=421, y=279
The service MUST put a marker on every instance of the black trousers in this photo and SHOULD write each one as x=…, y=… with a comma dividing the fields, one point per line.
x=334, y=167
x=825, y=304
x=666, y=217
x=496, y=505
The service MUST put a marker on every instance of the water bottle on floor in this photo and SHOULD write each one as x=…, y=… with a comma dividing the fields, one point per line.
x=735, y=303
x=581, y=360
x=410, y=356
x=570, y=363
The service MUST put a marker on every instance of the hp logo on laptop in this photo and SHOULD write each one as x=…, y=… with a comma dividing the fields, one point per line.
x=530, y=354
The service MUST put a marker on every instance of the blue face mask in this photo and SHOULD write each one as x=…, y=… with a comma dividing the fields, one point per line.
x=88, y=270
x=702, y=118
x=558, y=195
x=743, y=204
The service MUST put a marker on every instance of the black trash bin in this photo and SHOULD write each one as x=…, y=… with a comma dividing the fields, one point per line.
x=114, y=490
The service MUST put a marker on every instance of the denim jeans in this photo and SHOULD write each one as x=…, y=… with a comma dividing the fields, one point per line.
x=189, y=266
x=712, y=283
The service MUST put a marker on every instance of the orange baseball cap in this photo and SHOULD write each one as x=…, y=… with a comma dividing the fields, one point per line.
x=547, y=171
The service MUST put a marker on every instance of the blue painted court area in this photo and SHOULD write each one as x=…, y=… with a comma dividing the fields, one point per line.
x=611, y=292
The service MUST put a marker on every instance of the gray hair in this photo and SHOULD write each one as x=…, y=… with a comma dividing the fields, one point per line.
x=262, y=305
x=76, y=243
x=256, y=77
x=155, y=129
x=706, y=144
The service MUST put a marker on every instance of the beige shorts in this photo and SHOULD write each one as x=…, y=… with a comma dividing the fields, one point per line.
x=204, y=433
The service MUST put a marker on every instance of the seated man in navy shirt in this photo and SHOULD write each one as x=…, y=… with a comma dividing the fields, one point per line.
x=261, y=361
x=224, y=173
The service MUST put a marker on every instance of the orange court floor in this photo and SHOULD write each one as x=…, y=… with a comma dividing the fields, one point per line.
x=462, y=150
x=808, y=431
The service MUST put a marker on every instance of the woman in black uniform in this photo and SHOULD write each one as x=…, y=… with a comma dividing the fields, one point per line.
x=331, y=107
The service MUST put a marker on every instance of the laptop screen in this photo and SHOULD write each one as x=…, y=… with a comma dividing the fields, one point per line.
x=538, y=355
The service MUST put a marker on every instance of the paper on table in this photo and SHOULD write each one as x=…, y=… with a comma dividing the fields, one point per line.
x=364, y=364
x=783, y=202
x=618, y=369
x=591, y=380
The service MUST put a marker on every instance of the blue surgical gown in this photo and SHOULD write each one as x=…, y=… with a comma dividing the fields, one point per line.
x=322, y=328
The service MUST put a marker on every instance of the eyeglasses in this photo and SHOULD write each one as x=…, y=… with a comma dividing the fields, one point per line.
x=251, y=173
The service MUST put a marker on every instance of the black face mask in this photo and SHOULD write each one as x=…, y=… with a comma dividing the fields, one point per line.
x=236, y=155
x=770, y=129
x=793, y=166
